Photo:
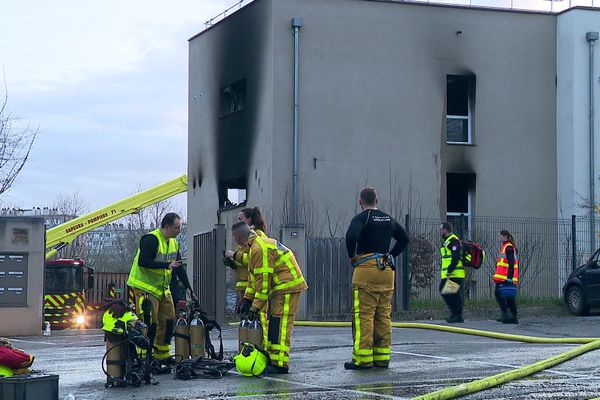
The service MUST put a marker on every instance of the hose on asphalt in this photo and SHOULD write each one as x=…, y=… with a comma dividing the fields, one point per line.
x=466, y=331
x=587, y=344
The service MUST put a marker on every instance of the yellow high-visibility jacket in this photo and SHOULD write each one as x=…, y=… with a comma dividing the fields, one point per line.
x=155, y=281
x=273, y=269
x=240, y=257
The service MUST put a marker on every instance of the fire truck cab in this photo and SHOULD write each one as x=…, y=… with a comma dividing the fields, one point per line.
x=66, y=280
x=65, y=284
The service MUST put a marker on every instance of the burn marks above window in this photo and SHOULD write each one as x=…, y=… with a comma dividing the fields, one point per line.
x=460, y=102
x=232, y=98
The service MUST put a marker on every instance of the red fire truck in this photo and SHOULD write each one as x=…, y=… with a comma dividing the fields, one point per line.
x=66, y=280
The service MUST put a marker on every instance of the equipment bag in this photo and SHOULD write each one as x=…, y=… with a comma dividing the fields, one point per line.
x=201, y=367
x=12, y=357
x=508, y=290
x=472, y=254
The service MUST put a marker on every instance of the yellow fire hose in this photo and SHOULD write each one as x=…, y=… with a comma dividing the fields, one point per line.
x=466, y=331
x=494, y=380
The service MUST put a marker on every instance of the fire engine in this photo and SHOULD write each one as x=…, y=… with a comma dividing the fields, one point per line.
x=66, y=280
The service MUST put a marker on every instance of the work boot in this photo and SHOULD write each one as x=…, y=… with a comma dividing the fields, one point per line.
x=275, y=369
x=455, y=319
x=503, y=317
x=352, y=365
x=381, y=364
x=510, y=319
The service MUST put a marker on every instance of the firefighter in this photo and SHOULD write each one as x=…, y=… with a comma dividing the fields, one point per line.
x=278, y=281
x=506, y=278
x=239, y=261
x=453, y=269
x=150, y=277
x=368, y=243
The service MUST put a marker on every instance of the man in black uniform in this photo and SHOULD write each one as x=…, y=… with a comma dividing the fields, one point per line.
x=368, y=243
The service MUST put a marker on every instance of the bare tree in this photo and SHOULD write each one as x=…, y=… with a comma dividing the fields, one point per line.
x=16, y=140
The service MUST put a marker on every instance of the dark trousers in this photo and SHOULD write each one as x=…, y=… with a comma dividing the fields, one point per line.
x=505, y=304
x=453, y=301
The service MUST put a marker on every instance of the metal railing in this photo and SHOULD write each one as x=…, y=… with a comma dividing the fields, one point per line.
x=549, y=6
x=209, y=273
x=223, y=14
x=549, y=249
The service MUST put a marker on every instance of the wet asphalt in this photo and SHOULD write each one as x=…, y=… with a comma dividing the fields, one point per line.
x=422, y=361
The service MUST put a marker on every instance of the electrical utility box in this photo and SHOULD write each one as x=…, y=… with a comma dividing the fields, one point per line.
x=22, y=255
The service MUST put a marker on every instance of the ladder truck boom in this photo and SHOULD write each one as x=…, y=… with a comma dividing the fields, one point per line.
x=64, y=234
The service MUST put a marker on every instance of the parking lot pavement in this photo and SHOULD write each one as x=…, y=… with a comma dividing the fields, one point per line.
x=422, y=361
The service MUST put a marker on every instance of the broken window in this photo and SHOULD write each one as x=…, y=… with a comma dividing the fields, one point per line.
x=233, y=98
x=232, y=193
x=460, y=189
x=460, y=100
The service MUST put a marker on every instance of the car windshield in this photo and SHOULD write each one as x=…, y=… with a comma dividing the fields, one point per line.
x=63, y=279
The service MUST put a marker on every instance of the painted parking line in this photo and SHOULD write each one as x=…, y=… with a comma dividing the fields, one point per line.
x=491, y=364
x=33, y=341
x=327, y=388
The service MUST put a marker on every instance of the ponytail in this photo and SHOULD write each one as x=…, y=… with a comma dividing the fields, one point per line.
x=255, y=216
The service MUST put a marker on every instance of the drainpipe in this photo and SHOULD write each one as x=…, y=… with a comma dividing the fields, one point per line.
x=591, y=38
x=297, y=23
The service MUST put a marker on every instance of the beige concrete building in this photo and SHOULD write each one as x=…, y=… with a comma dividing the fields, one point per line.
x=444, y=109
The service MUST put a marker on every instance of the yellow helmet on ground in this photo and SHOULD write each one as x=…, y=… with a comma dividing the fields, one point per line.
x=5, y=372
x=251, y=361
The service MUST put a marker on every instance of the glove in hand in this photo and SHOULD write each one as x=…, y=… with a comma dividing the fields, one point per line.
x=253, y=314
x=243, y=306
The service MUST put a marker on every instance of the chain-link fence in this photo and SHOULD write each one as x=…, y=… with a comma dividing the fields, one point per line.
x=548, y=250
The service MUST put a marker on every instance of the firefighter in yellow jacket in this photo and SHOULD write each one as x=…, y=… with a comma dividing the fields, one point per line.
x=452, y=269
x=238, y=260
x=368, y=243
x=278, y=281
x=150, y=277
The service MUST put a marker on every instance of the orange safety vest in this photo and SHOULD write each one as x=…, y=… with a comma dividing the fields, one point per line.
x=502, y=265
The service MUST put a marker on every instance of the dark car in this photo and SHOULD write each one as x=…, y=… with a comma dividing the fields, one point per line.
x=582, y=289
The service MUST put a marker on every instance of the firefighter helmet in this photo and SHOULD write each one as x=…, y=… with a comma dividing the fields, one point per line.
x=5, y=372
x=251, y=361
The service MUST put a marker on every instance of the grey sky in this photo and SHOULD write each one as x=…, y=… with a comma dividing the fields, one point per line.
x=106, y=81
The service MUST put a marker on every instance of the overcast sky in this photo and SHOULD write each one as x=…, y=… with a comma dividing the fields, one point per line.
x=106, y=82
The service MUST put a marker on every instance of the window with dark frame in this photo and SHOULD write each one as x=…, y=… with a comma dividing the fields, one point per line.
x=460, y=95
x=232, y=98
x=460, y=189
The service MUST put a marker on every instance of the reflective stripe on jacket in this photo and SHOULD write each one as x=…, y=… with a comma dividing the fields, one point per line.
x=273, y=268
x=155, y=280
x=243, y=279
x=117, y=325
x=502, y=266
x=459, y=270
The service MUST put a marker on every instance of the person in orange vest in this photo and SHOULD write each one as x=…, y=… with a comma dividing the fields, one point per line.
x=506, y=278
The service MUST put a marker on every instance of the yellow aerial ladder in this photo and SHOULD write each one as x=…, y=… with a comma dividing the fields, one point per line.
x=64, y=289
x=64, y=234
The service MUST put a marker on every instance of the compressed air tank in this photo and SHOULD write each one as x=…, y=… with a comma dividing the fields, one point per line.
x=255, y=334
x=243, y=332
x=182, y=338
x=196, y=337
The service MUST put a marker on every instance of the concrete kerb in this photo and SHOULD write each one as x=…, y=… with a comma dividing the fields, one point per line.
x=474, y=314
x=481, y=313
